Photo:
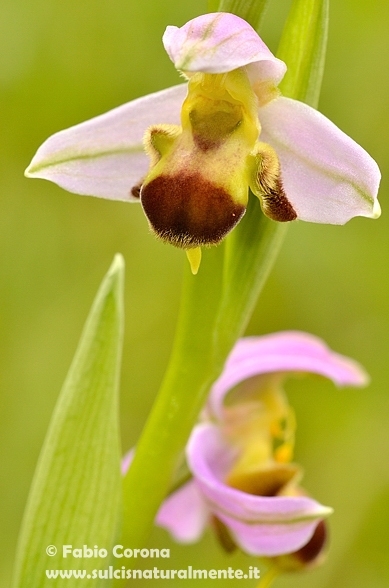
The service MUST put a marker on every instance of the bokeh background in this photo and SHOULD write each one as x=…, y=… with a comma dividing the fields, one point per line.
x=64, y=62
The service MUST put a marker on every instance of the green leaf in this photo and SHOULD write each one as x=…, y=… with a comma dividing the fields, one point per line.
x=303, y=47
x=250, y=10
x=75, y=497
x=253, y=246
x=251, y=250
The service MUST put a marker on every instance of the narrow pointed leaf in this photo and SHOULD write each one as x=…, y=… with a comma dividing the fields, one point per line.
x=250, y=10
x=303, y=47
x=75, y=497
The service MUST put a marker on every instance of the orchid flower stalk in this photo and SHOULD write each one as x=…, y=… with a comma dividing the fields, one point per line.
x=215, y=309
x=169, y=151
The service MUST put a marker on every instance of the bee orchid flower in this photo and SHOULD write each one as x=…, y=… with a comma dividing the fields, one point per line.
x=244, y=483
x=190, y=153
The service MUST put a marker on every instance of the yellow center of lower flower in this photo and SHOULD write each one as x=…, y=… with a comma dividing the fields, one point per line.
x=262, y=425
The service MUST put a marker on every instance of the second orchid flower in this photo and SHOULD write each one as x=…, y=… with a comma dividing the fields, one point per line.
x=244, y=482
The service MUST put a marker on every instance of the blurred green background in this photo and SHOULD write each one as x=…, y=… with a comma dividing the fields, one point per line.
x=64, y=62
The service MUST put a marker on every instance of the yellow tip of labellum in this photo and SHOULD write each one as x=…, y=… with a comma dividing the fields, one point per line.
x=194, y=258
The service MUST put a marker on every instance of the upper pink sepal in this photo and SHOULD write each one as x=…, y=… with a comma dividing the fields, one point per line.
x=326, y=175
x=283, y=353
x=220, y=42
x=104, y=156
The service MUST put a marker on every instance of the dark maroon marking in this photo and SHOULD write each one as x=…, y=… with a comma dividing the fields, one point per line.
x=277, y=205
x=315, y=545
x=275, y=202
x=211, y=129
x=135, y=191
x=188, y=210
x=223, y=535
x=205, y=143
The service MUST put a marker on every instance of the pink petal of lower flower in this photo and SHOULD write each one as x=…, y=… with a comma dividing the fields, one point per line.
x=288, y=351
x=327, y=177
x=270, y=540
x=184, y=514
x=220, y=42
x=262, y=525
x=104, y=156
x=127, y=460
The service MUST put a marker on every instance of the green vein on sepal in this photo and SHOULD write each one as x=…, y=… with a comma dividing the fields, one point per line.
x=34, y=170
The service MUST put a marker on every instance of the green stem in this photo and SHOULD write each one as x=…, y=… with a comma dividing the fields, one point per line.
x=303, y=48
x=181, y=396
x=268, y=579
x=215, y=306
x=253, y=12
